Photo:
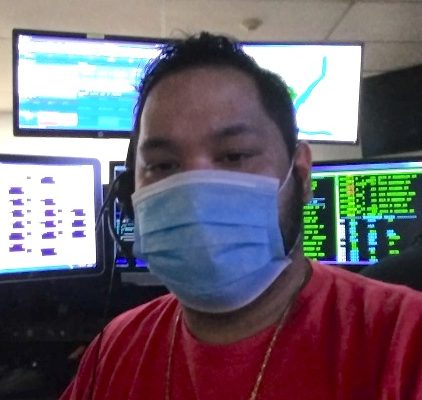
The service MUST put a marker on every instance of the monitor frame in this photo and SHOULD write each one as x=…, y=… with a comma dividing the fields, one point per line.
x=61, y=274
x=373, y=160
x=83, y=37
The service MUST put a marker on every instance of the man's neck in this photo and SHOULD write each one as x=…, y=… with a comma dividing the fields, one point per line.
x=266, y=310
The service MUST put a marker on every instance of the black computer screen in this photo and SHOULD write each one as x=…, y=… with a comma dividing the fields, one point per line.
x=48, y=209
x=124, y=227
x=363, y=211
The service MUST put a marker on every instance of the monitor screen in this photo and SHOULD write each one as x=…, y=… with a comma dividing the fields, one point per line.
x=48, y=209
x=123, y=226
x=324, y=84
x=74, y=85
x=363, y=210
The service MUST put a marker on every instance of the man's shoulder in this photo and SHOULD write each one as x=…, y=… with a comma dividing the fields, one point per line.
x=345, y=278
x=352, y=289
x=368, y=313
x=367, y=329
x=143, y=317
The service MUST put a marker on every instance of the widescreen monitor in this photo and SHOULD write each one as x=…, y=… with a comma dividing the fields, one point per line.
x=77, y=85
x=324, y=83
x=363, y=210
x=48, y=207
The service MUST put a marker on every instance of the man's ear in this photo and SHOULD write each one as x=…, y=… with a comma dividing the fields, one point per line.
x=303, y=166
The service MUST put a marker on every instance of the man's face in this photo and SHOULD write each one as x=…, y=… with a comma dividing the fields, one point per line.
x=210, y=118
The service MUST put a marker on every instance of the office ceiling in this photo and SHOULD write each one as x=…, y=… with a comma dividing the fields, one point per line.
x=391, y=30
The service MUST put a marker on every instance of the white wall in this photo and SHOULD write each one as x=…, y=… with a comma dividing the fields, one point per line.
x=322, y=152
x=105, y=150
x=115, y=149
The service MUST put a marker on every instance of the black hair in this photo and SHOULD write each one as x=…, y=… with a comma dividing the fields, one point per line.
x=207, y=49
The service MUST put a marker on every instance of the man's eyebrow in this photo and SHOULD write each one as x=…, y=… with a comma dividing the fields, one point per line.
x=156, y=143
x=164, y=143
x=234, y=130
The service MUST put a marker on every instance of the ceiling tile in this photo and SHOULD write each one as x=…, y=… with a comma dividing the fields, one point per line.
x=391, y=56
x=94, y=16
x=381, y=21
x=382, y=24
x=281, y=20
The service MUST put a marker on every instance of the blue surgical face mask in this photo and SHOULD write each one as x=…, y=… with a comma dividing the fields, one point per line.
x=212, y=237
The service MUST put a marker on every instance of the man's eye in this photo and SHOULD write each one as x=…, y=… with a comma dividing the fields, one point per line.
x=166, y=166
x=236, y=156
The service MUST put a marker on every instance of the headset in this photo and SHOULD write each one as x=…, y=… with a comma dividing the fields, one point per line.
x=126, y=180
x=124, y=189
x=121, y=190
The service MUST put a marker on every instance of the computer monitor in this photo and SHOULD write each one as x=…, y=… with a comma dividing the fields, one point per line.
x=81, y=85
x=76, y=84
x=324, y=83
x=391, y=112
x=132, y=270
x=363, y=210
x=48, y=207
x=124, y=227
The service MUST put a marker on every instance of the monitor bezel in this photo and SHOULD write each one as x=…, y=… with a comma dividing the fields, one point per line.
x=324, y=43
x=29, y=276
x=66, y=133
x=373, y=160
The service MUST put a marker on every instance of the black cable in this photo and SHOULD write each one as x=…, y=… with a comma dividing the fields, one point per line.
x=116, y=236
x=105, y=211
x=110, y=287
x=107, y=200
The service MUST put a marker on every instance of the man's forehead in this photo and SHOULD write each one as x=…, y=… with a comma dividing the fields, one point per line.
x=204, y=92
x=223, y=100
x=214, y=76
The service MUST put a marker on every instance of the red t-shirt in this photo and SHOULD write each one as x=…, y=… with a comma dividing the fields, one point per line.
x=345, y=338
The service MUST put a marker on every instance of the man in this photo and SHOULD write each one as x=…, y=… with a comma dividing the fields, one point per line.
x=220, y=181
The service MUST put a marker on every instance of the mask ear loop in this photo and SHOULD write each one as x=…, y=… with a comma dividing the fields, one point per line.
x=295, y=244
x=289, y=172
x=287, y=178
x=280, y=189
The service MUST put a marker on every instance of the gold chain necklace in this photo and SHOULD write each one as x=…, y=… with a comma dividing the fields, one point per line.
x=267, y=355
